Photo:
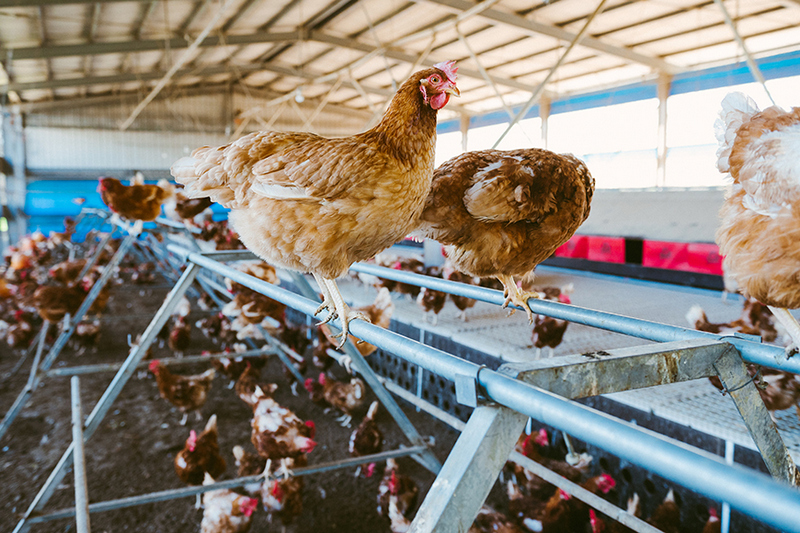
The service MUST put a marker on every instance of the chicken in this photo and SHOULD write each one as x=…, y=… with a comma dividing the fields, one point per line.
x=713, y=524
x=226, y=511
x=86, y=335
x=247, y=382
x=379, y=313
x=67, y=271
x=200, y=455
x=140, y=203
x=187, y=393
x=21, y=332
x=258, y=269
x=431, y=302
x=758, y=219
x=462, y=303
x=217, y=328
x=397, y=490
x=501, y=213
x=182, y=209
x=548, y=331
x=667, y=516
x=58, y=238
x=144, y=273
x=253, y=307
x=311, y=204
x=744, y=324
x=490, y=521
x=346, y=397
x=54, y=302
x=278, y=433
x=180, y=336
x=234, y=366
x=283, y=497
x=367, y=438
x=249, y=464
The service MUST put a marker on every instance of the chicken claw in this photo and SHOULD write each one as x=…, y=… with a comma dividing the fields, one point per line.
x=341, y=310
x=515, y=296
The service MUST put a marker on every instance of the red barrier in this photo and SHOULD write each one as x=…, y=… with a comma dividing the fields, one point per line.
x=577, y=248
x=690, y=257
x=606, y=249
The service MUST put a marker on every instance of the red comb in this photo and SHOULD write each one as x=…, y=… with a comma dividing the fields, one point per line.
x=312, y=426
x=191, y=442
x=541, y=438
x=449, y=68
x=153, y=366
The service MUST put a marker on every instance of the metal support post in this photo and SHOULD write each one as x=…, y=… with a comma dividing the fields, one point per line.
x=81, y=489
x=664, y=84
x=740, y=385
x=87, y=302
x=427, y=458
x=471, y=469
x=30, y=386
x=135, y=356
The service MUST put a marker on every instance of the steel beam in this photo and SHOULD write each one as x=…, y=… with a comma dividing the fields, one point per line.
x=536, y=28
x=82, y=522
x=478, y=456
x=742, y=389
x=35, y=3
x=590, y=374
x=154, y=497
x=135, y=356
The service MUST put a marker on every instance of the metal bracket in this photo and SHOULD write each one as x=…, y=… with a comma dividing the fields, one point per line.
x=739, y=384
x=467, y=388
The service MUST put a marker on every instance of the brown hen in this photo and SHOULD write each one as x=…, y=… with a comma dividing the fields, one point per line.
x=140, y=203
x=759, y=219
x=187, y=393
x=501, y=213
x=307, y=203
x=199, y=455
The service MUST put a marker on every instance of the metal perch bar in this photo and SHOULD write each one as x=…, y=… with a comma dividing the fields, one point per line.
x=82, y=522
x=751, y=492
x=173, y=494
x=168, y=361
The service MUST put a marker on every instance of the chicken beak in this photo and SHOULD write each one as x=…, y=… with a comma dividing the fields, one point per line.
x=452, y=89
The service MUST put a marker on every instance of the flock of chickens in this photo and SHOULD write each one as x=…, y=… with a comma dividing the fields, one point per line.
x=317, y=205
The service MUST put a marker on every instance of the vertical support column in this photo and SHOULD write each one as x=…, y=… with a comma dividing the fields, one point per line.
x=471, y=469
x=664, y=84
x=739, y=384
x=544, y=114
x=16, y=187
x=82, y=523
x=114, y=388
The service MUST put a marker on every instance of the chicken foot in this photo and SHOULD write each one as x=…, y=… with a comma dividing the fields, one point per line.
x=515, y=296
x=792, y=328
x=332, y=296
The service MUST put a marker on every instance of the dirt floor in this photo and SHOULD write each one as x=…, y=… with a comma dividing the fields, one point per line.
x=133, y=450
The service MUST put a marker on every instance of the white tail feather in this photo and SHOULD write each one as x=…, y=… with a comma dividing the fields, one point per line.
x=695, y=315
x=737, y=108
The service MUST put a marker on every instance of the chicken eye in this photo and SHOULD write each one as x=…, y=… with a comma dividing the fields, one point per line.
x=435, y=79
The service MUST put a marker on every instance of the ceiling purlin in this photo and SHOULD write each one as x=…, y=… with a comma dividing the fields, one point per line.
x=316, y=22
x=243, y=9
x=565, y=23
x=725, y=41
x=696, y=29
x=683, y=10
x=531, y=26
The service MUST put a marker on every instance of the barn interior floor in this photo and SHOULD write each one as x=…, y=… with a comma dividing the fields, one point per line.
x=696, y=404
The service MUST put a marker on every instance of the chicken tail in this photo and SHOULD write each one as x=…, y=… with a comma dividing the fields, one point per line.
x=211, y=425
x=202, y=174
x=373, y=409
x=737, y=108
x=238, y=452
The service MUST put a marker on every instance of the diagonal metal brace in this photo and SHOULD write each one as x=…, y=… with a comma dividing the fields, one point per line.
x=471, y=469
x=739, y=384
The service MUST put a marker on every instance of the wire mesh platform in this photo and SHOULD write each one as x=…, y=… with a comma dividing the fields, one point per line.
x=696, y=404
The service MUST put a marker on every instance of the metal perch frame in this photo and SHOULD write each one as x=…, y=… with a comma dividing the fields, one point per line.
x=506, y=397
